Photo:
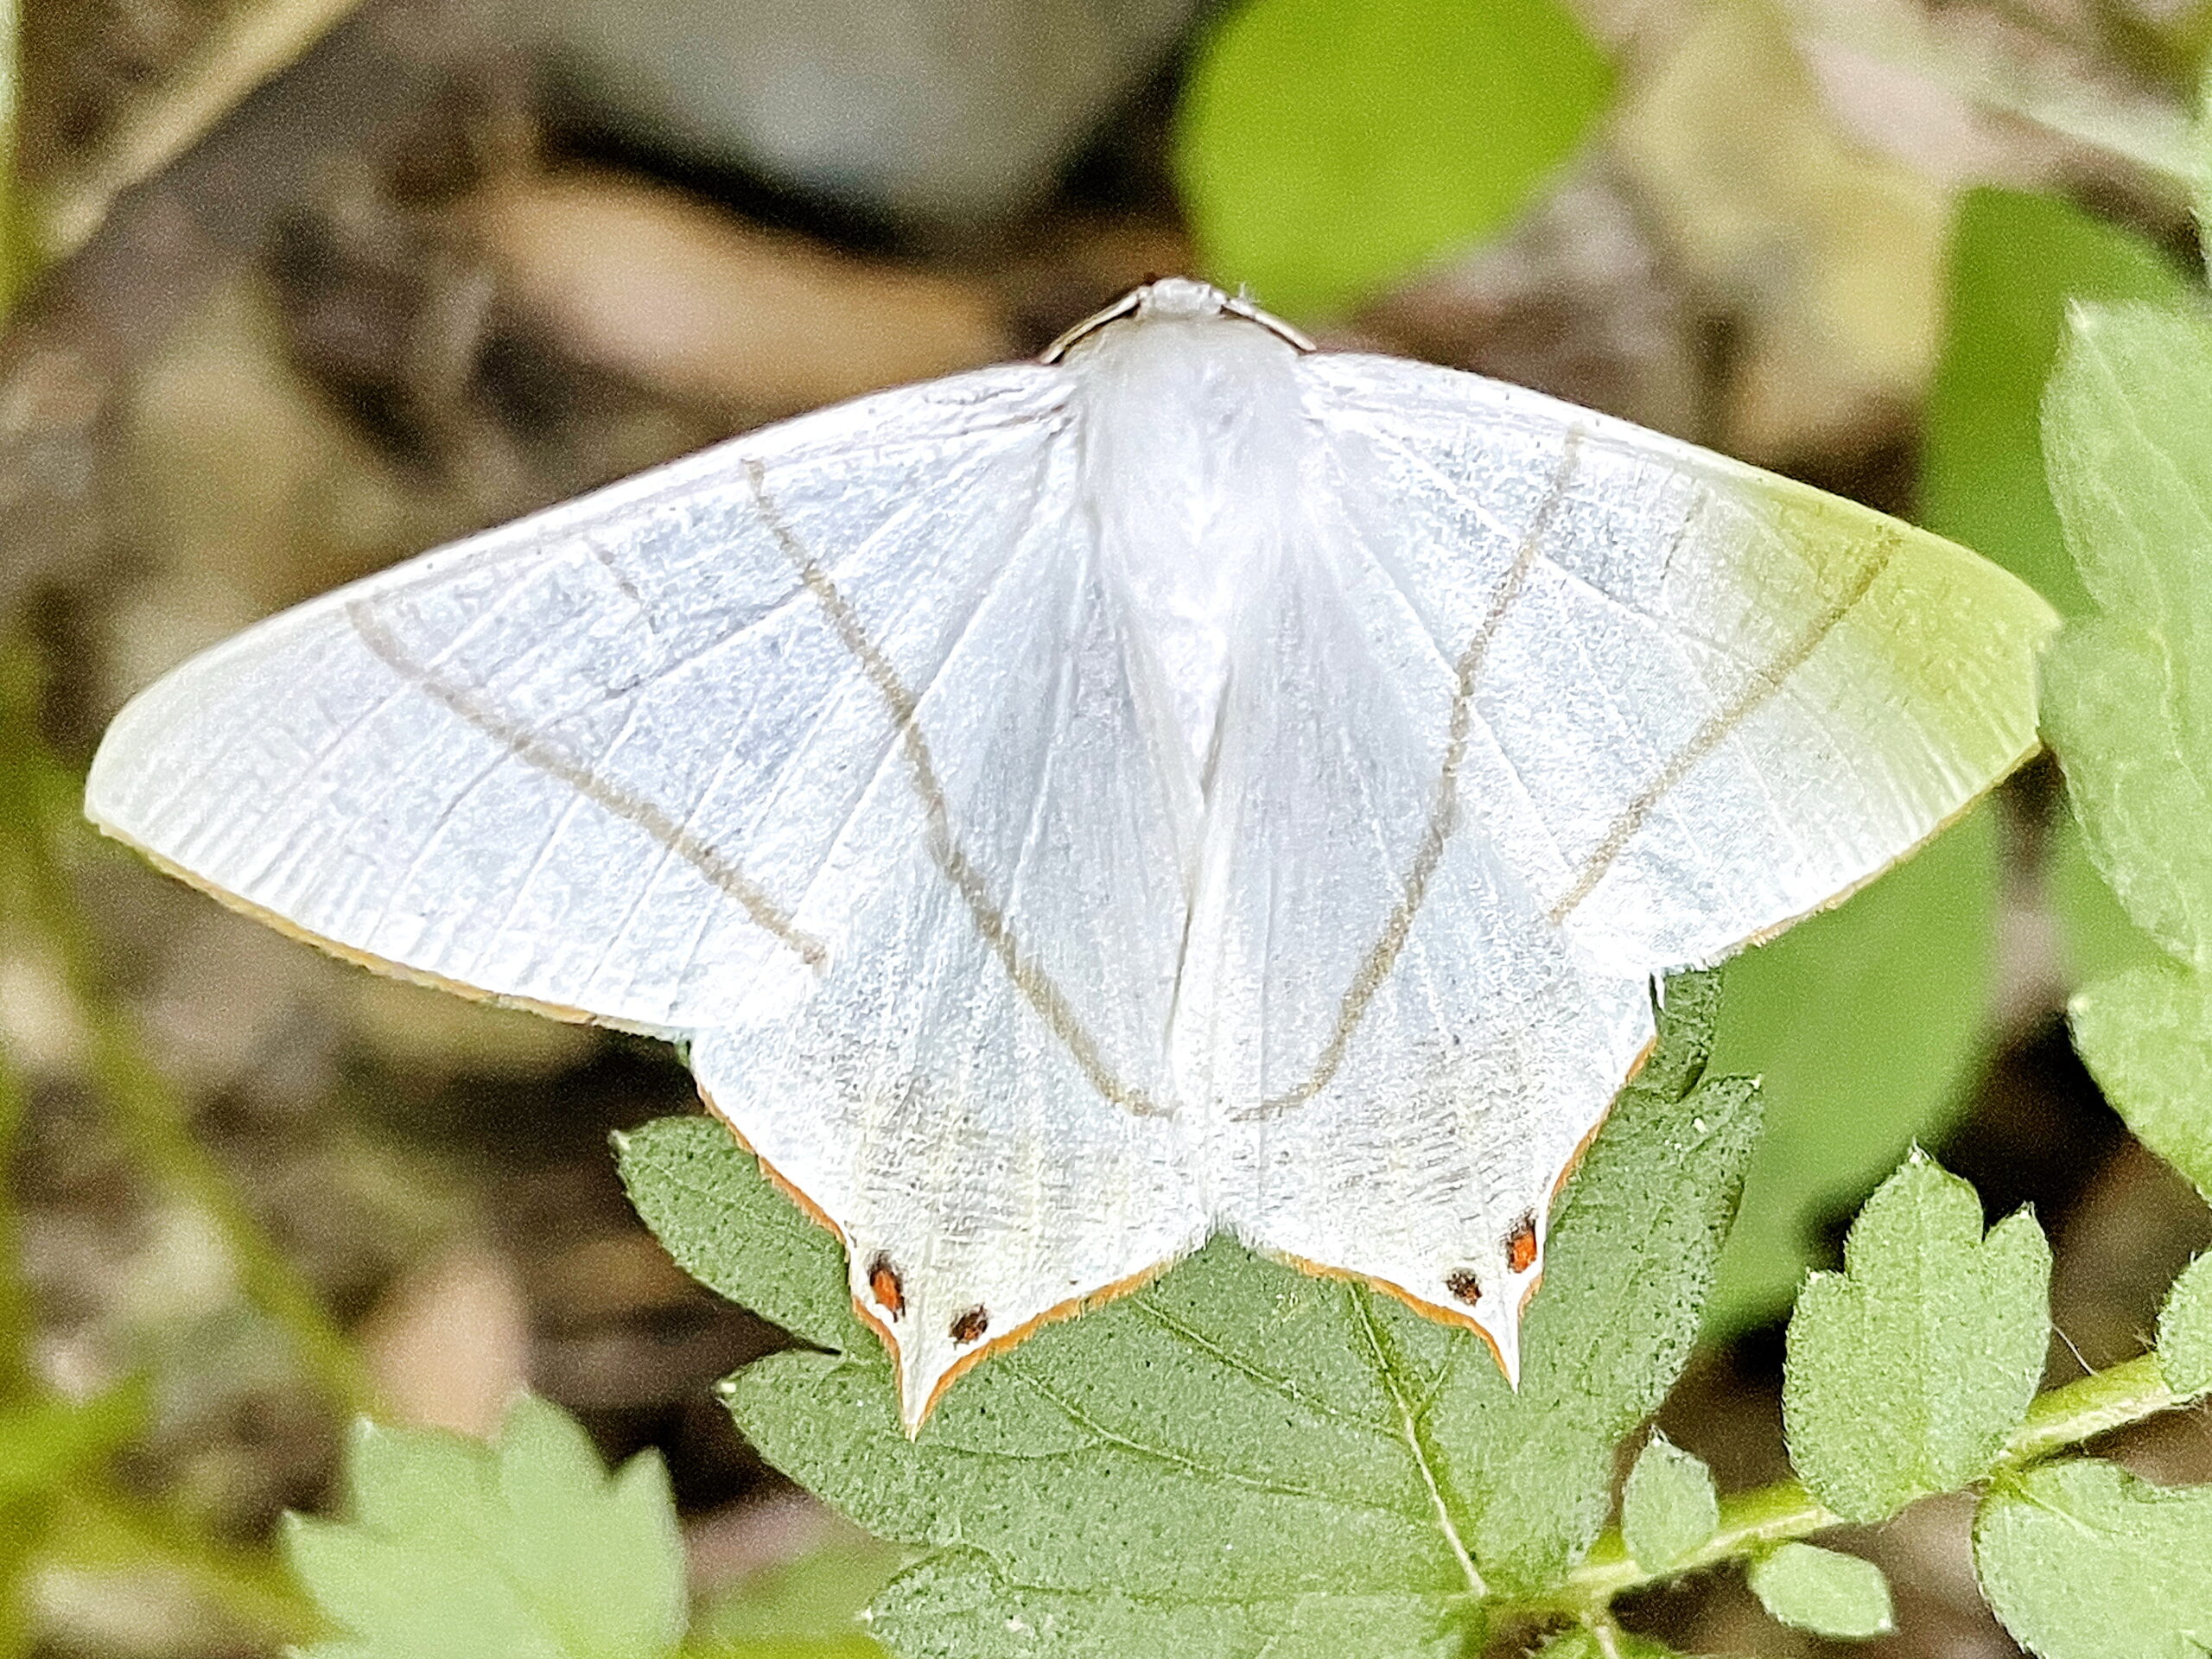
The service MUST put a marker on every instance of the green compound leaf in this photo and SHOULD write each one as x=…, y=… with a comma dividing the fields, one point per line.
x=1668, y=1507
x=2016, y=260
x=2137, y=776
x=460, y=1549
x=1810, y=1588
x=2146, y=1036
x=1862, y=1024
x=1328, y=148
x=2185, y=1330
x=2127, y=705
x=2081, y=1559
x=729, y=1228
x=1906, y=1371
x=1238, y=1454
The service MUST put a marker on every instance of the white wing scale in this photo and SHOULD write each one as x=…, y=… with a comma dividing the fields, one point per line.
x=592, y=761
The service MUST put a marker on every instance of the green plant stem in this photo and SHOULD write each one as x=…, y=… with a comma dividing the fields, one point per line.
x=1751, y=1522
x=2089, y=1407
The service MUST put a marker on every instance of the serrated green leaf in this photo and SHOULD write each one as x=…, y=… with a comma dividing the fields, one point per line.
x=526, y=1550
x=955, y=1607
x=729, y=1227
x=807, y=1608
x=2081, y=1559
x=2016, y=260
x=2128, y=448
x=2136, y=776
x=2185, y=1330
x=1239, y=1438
x=1822, y=1590
x=1328, y=148
x=1906, y=1371
x=1862, y=1024
x=2128, y=695
x=1668, y=1507
x=2146, y=1037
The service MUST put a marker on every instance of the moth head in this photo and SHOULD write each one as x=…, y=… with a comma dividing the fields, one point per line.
x=1176, y=299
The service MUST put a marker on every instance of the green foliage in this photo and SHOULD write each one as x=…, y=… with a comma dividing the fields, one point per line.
x=810, y=1608
x=1808, y=1588
x=1668, y=1507
x=2016, y=262
x=524, y=1551
x=1862, y=1025
x=2129, y=698
x=2147, y=1033
x=2082, y=1561
x=2185, y=1330
x=1328, y=148
x=1907, y=1371
x=1238, y=1454
x=955, y=1606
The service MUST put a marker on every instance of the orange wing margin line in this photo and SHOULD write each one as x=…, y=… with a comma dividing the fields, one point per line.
x=384, y=965
x=961, y=1367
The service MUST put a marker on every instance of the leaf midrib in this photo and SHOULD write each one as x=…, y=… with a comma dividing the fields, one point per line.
x=1387, y=1372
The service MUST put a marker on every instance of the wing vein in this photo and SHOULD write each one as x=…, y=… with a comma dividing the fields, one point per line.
x=1763, y=684
x=1043, y=997
x=535, y=751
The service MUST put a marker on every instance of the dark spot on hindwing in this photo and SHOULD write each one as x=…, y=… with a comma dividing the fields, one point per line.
x=969, y=1326
x=884, y=1284
x=1520, y=1247
x=1465, y=1286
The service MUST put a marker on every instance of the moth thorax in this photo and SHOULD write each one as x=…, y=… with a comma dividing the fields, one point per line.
x=1193, y=447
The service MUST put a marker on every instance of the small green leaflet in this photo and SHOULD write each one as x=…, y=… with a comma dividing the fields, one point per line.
x=1906, y=1371
x=1327, y=149
x=2185, y=1330
x=2129, y=698
x=528, y=1549
x=2128, y=427
x=2082, y=1561
x=1810, y=1588
x=1239, y=1454
x=1668, y=1507
x=2148, y=1035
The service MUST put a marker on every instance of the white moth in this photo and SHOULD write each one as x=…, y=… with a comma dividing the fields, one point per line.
x=1189, y=783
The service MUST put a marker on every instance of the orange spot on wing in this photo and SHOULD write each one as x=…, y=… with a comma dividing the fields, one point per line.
x=1521, y=1248
x=884, y=1285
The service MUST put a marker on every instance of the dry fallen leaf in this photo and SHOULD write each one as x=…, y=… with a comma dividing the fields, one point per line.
x=698, y=304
